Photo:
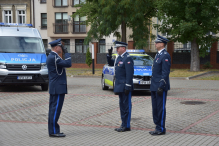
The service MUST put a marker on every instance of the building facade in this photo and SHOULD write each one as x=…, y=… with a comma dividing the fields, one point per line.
x=16, y=11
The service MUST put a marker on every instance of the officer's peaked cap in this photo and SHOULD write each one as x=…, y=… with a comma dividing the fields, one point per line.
x=56, y=43
x=161, y=39
x=120, y=44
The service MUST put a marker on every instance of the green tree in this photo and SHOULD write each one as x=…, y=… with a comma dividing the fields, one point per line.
x=105, y=17
x=190, y=20
x=88, y=58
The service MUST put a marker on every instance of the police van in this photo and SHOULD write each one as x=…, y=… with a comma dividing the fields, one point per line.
x=22, y=56
x=142, y=71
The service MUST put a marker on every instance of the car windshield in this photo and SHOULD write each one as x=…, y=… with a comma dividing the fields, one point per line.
x=11, y=44
x=142, y=60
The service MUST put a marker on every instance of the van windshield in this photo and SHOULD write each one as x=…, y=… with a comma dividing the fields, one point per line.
x=11, y=44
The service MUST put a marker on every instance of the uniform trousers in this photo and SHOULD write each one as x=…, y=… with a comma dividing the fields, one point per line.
x=55, y=107
x=125, y=105
x=159, y=110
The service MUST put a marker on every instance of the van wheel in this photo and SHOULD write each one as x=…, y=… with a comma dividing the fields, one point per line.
x=104, y=87
x=44, y=87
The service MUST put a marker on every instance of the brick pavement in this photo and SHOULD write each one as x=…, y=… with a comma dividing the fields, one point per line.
x=90, y=115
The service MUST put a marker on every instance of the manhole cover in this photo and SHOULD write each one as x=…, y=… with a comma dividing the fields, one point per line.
x=192, y=102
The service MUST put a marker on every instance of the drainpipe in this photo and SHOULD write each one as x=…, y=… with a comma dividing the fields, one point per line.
x=33, y=15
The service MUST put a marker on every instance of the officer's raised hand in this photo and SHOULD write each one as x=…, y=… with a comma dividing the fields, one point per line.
x=64, y=49
x=160, y=91
x=110, y=51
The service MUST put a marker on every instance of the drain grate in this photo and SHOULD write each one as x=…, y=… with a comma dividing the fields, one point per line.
x=192, y=102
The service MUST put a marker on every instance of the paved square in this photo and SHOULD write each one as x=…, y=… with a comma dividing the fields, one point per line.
x=89, y=115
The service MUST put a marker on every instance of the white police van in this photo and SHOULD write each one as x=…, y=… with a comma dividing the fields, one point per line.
x=142, y=71
x=22, y=56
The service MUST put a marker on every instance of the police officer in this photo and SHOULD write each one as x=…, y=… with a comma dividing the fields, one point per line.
x=124, y=70
x=160, y=84
x=57, y=85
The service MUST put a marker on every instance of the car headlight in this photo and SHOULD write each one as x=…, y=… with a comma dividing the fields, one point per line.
x=2, y=65
x=43, y=66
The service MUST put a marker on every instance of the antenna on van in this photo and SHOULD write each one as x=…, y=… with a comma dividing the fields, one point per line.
x=17, y=28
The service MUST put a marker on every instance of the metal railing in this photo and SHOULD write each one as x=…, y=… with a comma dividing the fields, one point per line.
x=60, y=28
x=78, y=28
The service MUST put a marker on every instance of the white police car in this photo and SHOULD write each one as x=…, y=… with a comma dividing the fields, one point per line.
x=22, y=56
x=142, y=71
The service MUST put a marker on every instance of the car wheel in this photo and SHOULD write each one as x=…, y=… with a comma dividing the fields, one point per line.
x=44, y=87
x=104, y=87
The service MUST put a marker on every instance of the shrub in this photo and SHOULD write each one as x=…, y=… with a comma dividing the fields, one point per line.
x=207, y=65
x=88, y=58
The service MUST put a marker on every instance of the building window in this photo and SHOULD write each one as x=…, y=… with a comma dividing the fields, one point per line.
x=61, y=3
x=45, y=43
x=21, y=16
x=76, y=2
x=80, y=47
x=61, y=23
x=42, y=1
x=43, y=20
x=102, y=46
x=79, y=24
x=66, y=43
x=7, y=16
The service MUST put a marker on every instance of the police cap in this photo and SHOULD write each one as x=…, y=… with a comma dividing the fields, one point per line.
x=161, y=39
x=56, y=43
x=120, y=44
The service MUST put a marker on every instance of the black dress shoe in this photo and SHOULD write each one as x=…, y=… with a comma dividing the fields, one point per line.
x=57, y=135
x=117, y=128
x=155, y=132
x=122, y=129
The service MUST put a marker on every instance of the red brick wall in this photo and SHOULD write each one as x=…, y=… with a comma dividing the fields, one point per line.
x=213, y=54
x=170, y=49
x=131, y=45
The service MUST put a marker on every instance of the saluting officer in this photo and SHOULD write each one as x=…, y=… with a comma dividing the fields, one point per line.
x=124, y=70
x=57, y=85
x=160, y=84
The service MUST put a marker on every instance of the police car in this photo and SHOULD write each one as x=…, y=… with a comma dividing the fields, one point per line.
x=142, y=71
x=22, y=56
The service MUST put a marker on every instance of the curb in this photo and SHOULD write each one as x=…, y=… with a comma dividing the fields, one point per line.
x=178, y=78
x=195, y=76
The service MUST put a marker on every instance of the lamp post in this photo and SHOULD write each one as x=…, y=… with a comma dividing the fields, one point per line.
x=93, y=58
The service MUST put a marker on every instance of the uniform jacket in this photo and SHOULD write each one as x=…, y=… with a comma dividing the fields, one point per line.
x=57, y=75
x=161, y=71
x=124, y=70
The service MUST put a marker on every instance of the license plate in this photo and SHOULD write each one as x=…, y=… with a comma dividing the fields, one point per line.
x=24, y=77
x=144, y=82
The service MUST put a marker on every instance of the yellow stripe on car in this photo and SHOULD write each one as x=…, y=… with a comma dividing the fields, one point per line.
x=108, y=82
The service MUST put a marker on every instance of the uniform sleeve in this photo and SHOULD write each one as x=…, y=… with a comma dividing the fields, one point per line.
x=110, y=60
x=64, y=63
x=166, y=63
x=129, y=68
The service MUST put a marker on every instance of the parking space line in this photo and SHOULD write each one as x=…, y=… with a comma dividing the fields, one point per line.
x=192, y=125
x=112, y=110
x=192, y=99
x=112, y=127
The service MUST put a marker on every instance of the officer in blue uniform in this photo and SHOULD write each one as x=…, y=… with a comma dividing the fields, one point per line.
x=160, y=84
x=57, y=85
x=124, y=70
